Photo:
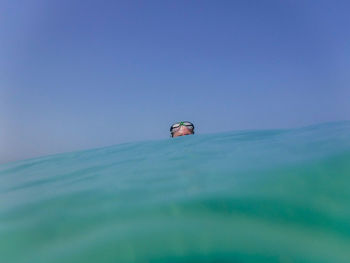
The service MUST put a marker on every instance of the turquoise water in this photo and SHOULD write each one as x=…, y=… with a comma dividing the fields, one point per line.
x=243, y=196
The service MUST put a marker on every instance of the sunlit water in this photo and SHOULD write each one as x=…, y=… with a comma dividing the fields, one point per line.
x=245, y=196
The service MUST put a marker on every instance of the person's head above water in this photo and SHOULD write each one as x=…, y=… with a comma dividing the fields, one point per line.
x=181, y=128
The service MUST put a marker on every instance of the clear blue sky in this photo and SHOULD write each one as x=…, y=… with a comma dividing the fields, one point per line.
x=82, y=74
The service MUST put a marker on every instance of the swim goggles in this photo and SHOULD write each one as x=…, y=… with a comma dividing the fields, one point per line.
x=176, y=126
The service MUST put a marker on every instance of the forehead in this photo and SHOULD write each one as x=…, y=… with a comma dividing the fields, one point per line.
x=183, y=130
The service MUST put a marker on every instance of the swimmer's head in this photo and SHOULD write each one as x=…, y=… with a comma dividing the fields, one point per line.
x=181, y=128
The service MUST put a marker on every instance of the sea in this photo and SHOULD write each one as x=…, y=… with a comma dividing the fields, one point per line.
x=278, y=195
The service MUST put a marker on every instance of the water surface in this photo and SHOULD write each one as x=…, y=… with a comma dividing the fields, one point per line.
x=243, y=196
